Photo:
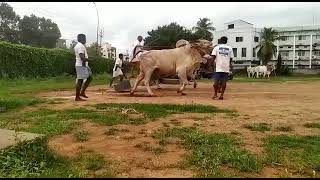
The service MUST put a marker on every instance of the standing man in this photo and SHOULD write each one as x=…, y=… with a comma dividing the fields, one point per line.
x=222, y=55
x=82, y=68
x=117, y=69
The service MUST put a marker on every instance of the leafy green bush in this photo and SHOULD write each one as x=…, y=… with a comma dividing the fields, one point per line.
x=25, y=61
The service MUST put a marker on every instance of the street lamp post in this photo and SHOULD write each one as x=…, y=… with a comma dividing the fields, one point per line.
x=97, y=28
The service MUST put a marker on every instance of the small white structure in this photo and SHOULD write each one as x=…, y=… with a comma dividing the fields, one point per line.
x=108, y=51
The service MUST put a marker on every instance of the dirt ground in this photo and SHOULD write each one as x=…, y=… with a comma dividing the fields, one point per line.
x=280, y=104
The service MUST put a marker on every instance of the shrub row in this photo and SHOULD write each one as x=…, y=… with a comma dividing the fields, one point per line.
x=25, y=61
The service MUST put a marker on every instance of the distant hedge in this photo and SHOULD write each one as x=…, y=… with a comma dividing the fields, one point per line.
x=26, y=61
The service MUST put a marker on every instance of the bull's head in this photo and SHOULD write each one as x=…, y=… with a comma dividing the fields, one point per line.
x=203, y=46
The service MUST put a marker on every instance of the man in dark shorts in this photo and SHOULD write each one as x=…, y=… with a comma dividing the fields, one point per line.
x=82, y=68
x=222, y=55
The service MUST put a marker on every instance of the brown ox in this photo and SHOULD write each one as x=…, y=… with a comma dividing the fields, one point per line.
x=170, y=62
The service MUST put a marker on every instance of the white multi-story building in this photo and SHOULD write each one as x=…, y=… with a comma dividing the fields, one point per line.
x=108, y=51
x=293, y=45
x=299, y=46
x=243, y=37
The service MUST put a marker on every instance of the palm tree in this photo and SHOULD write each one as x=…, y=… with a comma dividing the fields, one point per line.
x=203, y=28
x=266, y=47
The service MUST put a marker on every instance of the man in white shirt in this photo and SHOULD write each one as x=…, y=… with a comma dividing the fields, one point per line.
x=82, y=68
x=222, y=55
x=117, y=69
x=137, y=47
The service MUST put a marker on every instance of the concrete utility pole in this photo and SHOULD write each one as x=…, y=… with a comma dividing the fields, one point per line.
x=310, y=51
x=97, y=28
x=101, y=35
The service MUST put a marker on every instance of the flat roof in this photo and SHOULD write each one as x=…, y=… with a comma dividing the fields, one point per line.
x=298, y=28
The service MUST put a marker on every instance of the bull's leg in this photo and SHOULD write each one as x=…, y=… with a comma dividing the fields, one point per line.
x=138, y=80
x=147, y=78
x=183, y=76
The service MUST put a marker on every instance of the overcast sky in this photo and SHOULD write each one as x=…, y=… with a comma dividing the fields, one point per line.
x=124, y=21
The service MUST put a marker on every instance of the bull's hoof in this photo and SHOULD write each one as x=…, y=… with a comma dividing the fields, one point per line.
x=131, y=93
x=195, y=86
x=152, y=95
x=183, y=94
x=178, y=92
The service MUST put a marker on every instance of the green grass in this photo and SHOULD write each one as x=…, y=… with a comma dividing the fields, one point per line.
x=91, y=161
x=34, y=159
x=211, y=152
x=16, y=93
x=312, y=125
x=299, y=153
x=284, y=128
x=54, y=122
x=153, y=111
x=81, y=136
x=262, y=127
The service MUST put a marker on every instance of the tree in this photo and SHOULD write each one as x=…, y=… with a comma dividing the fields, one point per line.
x=91, y=49
x=49, y=32
x=266, y=47
x=203, y=29
x=8, y=23
x=38, y=32
x=279, y=64
x=165, y=37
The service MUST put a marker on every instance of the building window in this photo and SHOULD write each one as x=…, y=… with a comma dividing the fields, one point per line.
x=254, y=52
x=285, y=54
x=316, y=53
x=256, y=39
x=235, y=52
x=281, y=47
x=305, y=46
x=284, y=38
x=302, y=38
x=231, y=26
x=301, y=53
x=289, y=46
x=244, y=52
x=317, y=36
x=239, y=39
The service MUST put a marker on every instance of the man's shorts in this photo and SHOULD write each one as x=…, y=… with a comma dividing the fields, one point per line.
x=83, y=72
x=220, y=76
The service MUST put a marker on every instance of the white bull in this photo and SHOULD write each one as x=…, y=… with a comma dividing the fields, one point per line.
x=251, y=71
x=171, y=62
x=262, y=70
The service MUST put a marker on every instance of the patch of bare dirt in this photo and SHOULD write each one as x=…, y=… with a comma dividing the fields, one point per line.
x=122, y=147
